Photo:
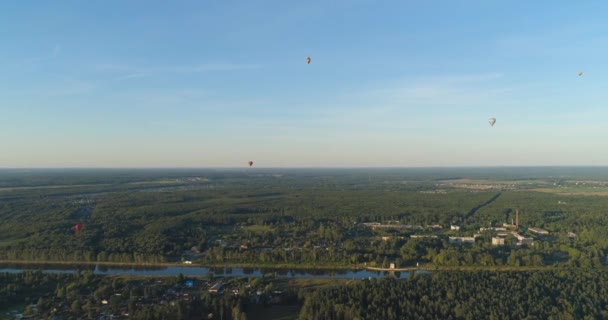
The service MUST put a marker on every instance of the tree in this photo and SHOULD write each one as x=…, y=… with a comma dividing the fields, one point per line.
x=76, y=307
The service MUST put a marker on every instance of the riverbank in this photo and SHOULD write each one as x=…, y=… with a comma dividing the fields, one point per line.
x=193, y=265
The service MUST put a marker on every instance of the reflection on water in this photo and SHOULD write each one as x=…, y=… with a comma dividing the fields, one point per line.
x=203, y=271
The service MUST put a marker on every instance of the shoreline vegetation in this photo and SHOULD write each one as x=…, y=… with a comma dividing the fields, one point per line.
x=306, y=267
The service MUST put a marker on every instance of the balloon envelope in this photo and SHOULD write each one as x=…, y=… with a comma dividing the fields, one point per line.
x=250, y=163
x=308, y=60
x=491, y=121
x=580, y=73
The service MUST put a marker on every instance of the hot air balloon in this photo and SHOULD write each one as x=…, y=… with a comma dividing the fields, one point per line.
x=78, y=227
x=580, y=73
x=210, y=316
x=250, y=163
x=491, y=121
x=308, y=60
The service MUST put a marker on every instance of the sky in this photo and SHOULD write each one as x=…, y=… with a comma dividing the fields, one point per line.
x=218, y=83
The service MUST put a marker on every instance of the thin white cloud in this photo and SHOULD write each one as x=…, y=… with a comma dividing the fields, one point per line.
x=443, y=90
x=212, y=67
x=130, y=71
x=132, y=76
x=33, y=62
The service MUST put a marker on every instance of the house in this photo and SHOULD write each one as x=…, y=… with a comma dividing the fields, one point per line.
x=453, y=227
x=496, y=241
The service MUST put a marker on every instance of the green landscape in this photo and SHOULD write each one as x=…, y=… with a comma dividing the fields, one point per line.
x=471, y=228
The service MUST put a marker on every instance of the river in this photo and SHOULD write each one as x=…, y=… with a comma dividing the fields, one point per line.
x=203, y=271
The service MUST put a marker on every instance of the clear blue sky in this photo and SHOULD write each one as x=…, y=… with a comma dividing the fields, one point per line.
x=218, y=83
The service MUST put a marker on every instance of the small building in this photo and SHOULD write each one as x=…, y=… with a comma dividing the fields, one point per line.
x=538, y=231
x=571, y=235
x=497, y=241
x=392, y=265
x=453, y=227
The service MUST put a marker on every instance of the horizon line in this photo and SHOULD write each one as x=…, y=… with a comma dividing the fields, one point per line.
x=307, y=167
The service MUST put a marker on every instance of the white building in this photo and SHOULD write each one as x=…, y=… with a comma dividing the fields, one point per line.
x=496, y=241
x=538, y=231
x=453, y=227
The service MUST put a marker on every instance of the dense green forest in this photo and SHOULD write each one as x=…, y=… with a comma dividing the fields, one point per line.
x=304, y=217
x=467, y=295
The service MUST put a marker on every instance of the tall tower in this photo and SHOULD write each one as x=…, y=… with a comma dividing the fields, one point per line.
x=516, y=218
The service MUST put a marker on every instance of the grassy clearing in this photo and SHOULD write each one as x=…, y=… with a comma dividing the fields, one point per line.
x=53, y=187
x=585, y=191
x=257, y=228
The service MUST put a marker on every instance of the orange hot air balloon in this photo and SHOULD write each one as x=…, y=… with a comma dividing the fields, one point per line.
x=308, y=60
x=250, y=163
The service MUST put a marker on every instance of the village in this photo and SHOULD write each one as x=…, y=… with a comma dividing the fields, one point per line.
x=523, y=236
x=118, y=304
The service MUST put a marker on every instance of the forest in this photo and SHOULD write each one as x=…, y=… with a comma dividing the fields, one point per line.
x=304, y=217
x=581, y=294
x=548, y=294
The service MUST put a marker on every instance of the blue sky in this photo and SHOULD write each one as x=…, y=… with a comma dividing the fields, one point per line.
x=217, y=83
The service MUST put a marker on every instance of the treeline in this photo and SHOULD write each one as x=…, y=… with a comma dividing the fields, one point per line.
x=572, y=294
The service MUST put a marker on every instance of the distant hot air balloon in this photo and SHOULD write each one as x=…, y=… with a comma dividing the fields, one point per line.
x=210, y=316
x=250, y=163
x=580, y=73
x=491, y=121
x=78, y=227
x=308, y=60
